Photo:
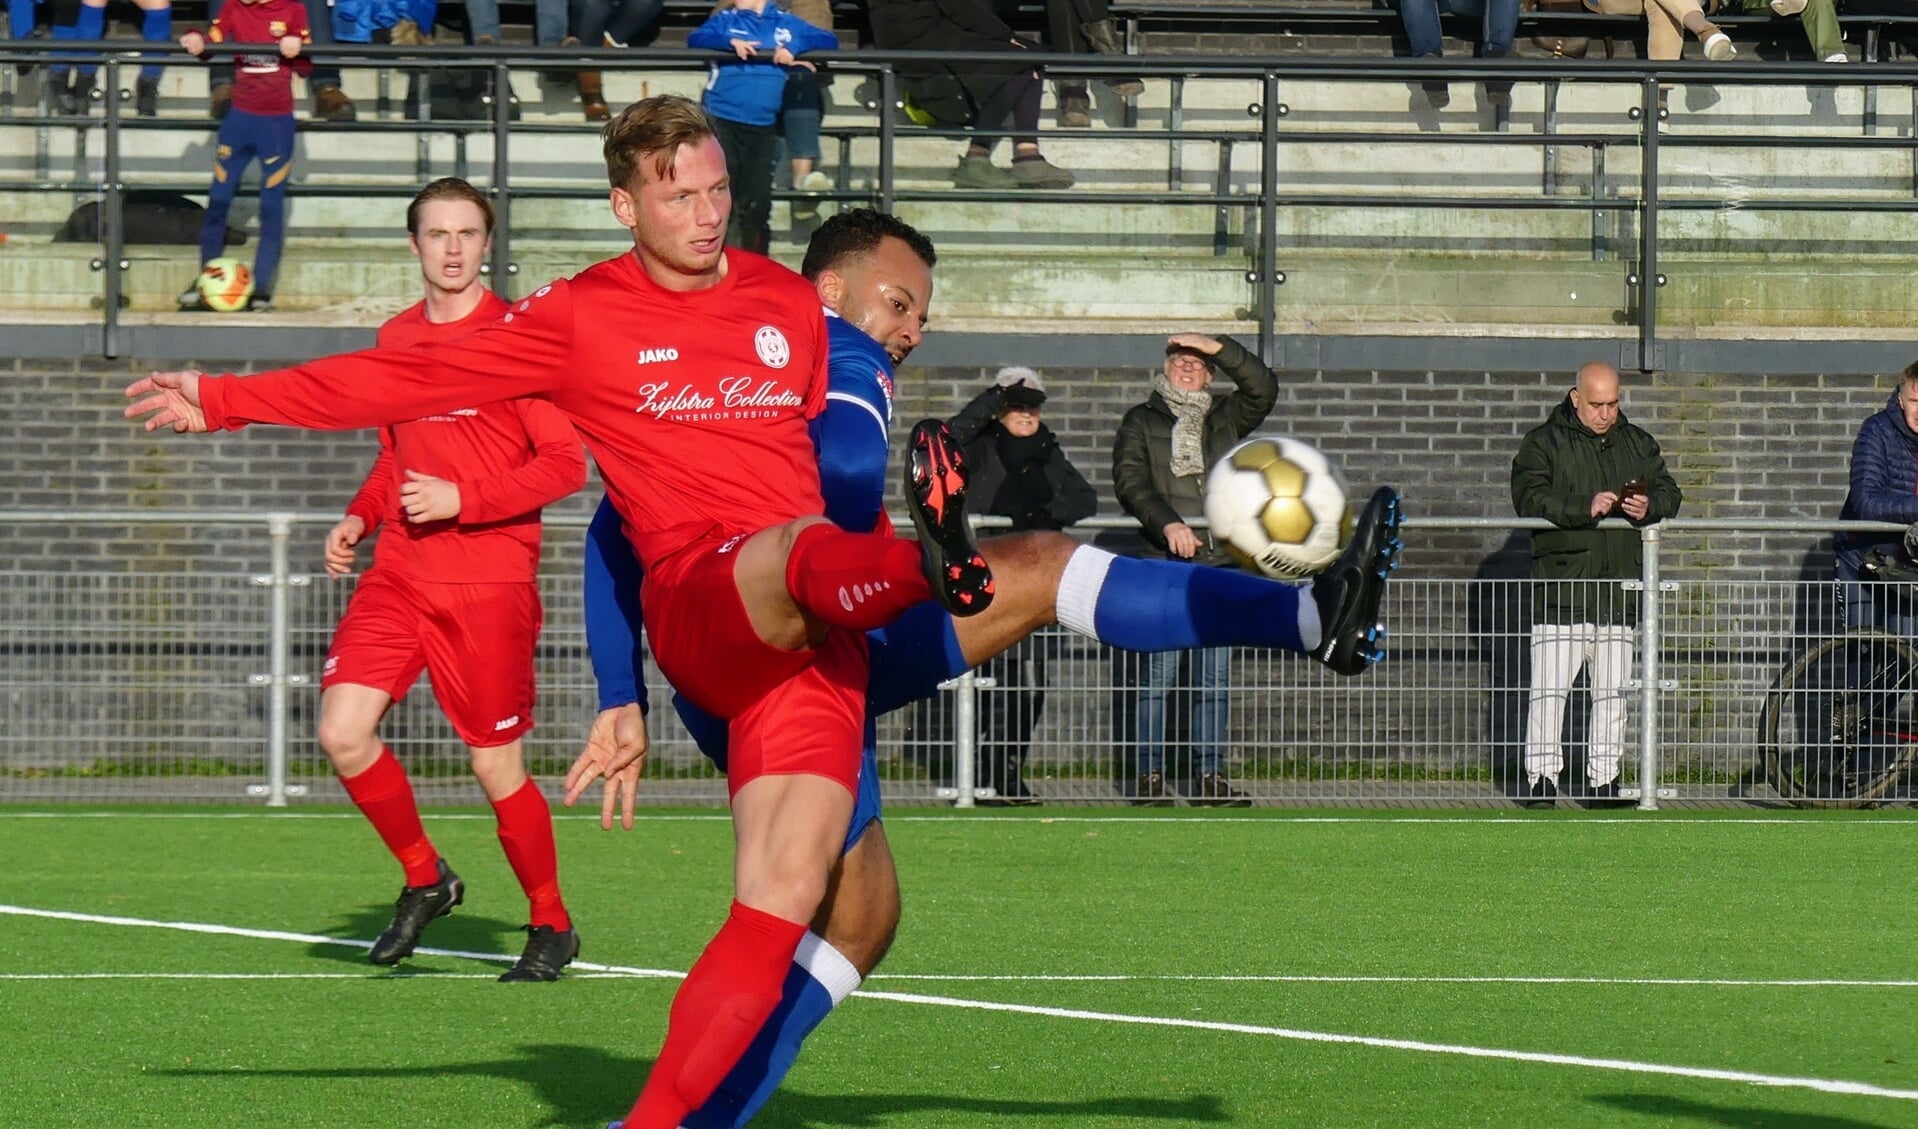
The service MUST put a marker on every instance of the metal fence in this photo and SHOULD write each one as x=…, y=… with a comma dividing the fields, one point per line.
x=182, y=666
x=1624, y=205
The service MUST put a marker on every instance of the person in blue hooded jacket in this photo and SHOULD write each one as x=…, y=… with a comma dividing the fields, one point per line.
x=1884, y=487
x=744, y=95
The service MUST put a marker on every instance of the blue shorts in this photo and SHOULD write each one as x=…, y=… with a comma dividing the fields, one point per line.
x=909, y=658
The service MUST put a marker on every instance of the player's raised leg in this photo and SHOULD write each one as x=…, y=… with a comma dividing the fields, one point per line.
x=1146, y=605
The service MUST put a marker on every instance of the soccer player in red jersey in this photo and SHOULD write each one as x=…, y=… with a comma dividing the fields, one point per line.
x=691, y=370
x=452, y=591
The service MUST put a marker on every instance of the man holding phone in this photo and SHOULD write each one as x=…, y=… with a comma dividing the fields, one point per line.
x=1585, y=463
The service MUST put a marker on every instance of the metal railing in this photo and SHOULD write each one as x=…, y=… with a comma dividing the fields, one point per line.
x=172, y=656
x=1611, y=193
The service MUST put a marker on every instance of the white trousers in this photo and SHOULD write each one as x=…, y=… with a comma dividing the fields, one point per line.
x=1558, y=651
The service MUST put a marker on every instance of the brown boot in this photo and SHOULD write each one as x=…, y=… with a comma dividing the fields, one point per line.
x=331, y=104
x=590, y=99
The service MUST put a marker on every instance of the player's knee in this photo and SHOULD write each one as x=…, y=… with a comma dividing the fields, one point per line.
x=349, y=746
x=789, y=887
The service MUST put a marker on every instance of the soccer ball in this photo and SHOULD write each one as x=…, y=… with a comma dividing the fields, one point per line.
x=1278, y=506
x=226, y=285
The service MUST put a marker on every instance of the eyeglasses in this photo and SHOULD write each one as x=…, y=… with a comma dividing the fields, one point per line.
x=1187, y=360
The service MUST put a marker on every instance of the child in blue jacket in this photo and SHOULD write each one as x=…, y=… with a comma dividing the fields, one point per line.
x=744, y=96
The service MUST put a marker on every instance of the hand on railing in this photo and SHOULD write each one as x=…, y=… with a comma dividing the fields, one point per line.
x=339, y=545
x=615, y=749
x=174, y=400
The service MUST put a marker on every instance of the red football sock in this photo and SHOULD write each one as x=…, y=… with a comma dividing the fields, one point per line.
x=727, y=996
x=526, y=833
x=855, y=580
x=386, y=796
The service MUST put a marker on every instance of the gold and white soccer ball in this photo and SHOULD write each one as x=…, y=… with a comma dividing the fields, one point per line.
x=1278, y=505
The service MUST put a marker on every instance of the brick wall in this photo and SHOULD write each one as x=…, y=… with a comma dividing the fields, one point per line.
x=1740, y=446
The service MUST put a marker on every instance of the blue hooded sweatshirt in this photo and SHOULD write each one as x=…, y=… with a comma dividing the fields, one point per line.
x=750, y=91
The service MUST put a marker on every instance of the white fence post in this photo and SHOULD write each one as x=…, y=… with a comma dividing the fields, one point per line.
x=280, y=530
x=1648, y=687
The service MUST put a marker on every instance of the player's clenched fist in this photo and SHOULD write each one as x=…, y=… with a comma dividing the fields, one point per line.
x=173, y=398
x=425, y=498
x=339, y=545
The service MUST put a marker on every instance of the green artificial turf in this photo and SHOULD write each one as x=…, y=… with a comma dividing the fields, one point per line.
x=1126, y=924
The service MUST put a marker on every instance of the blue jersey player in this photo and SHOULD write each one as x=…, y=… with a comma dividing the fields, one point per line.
x=873, y=274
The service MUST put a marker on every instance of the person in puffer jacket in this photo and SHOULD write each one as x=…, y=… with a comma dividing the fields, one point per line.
x=1884, y=487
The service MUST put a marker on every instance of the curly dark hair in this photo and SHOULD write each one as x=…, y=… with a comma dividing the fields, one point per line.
x=857, y=232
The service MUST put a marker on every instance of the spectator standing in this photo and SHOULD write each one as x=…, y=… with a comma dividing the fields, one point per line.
x=1585, y=463
x=260, y=125
x=987, y=97
x=800, y=116
x=1160, y=458
x=762, y=41
x=330, y=103
x=1019, y=471
x=1884, y=487
x=73, y=83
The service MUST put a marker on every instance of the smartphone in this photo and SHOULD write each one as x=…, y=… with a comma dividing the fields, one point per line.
x=1632, y=489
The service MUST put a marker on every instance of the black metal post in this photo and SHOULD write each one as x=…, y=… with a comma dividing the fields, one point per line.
x=1551, y=127
x=114, y=213
x=502, y=191
x=1269, y=219
x=1648, y=231
x=888, y=100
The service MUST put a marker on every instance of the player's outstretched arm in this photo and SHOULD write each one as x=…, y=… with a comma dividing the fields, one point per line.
x=526, y=353
x=168, y=399
x=615, y=751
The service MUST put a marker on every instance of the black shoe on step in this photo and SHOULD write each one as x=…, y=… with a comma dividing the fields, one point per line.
x=1215, y=791
x=146, y=97
x=936, y=495
x=415, y=909
x=1348, y=594
x=1541, y=794
x=547, y=951
x=1150, y=791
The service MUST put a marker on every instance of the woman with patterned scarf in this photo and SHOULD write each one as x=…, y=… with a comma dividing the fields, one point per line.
x=1160, y=458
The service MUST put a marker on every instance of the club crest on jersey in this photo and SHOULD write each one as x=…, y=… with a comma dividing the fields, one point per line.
x=276, y=28
x=885, y=386
x=772, y=348
x=655, y=356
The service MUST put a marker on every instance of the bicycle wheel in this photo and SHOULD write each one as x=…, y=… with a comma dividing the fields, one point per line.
x=1840, y=724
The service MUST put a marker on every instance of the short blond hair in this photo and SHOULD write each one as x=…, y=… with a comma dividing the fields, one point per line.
x=654, y=127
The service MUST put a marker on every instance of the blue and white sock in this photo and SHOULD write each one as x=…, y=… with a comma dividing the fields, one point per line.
x=156, y=26
x=819, y=979
x=1143, y=605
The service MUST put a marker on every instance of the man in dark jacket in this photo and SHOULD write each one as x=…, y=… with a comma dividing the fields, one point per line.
x=1019, y=471
x=1160, y=459
x=1884, y=487
x=1586, y=462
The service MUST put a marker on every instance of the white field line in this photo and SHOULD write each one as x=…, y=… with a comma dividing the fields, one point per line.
x=1179, y=819
x=1823, y=1085
x=1628, y=1066
x=308, y=939
x=1200, y=978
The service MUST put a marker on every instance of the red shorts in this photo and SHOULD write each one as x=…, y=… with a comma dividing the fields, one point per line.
x=475, y=640
x=789, y=711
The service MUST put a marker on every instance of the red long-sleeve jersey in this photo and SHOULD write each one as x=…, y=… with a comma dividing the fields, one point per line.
x=694, y=403
x=508, y=459
x=262, y=80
